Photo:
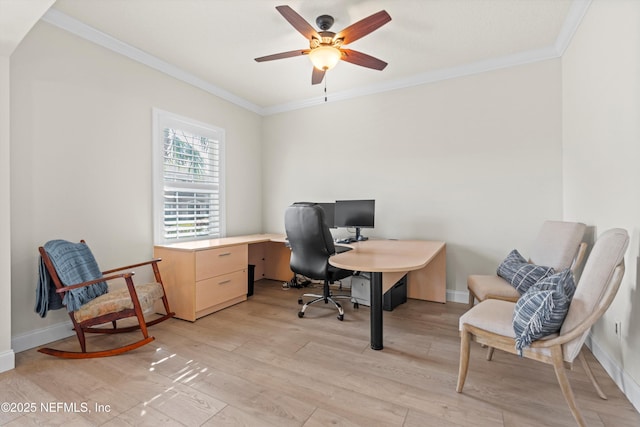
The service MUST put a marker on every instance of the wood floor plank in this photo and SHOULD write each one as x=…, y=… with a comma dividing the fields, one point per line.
x=257, y=364
x=234, y=417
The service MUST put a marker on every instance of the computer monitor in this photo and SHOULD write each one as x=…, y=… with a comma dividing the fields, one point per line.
x=355, y=213
x=329, y=213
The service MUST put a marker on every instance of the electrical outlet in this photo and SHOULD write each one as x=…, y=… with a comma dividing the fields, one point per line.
x=618, y=329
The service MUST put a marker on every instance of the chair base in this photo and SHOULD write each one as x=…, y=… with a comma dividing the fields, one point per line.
x=330, y=299
x=327, y=297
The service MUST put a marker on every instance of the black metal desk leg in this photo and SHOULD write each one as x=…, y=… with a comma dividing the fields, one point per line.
x=376, y=311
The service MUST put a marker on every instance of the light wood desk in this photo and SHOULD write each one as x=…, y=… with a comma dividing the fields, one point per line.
x=204, y=276
x=388, y=261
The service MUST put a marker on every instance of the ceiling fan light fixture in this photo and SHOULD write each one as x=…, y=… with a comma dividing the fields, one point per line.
x=325, y=57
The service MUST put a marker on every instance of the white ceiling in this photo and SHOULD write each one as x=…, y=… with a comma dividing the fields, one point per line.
x=213, y=43
x=17, y=17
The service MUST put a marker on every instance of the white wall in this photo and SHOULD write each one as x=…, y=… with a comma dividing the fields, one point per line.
x=601, y=166
x=16, y=20
x=81, y=156
x=6, y=353
x=474, y=161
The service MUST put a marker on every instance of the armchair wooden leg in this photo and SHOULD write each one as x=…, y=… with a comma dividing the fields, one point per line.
x=590, y=375
x=465, y=339
x=472, y=299
x=561, y=375
x=490, y=353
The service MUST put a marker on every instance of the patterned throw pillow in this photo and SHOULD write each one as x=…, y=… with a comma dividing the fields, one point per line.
x=521, y=274
x=542, y=309
x=564, y=277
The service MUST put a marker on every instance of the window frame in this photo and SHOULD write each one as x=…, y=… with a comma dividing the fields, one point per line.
x=161, y=120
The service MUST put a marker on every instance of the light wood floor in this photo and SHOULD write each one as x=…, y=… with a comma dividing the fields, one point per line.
x=258, y=364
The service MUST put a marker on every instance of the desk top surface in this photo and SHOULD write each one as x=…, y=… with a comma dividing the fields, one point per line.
x=199, y=245
x=387, y=255
x=370, y=255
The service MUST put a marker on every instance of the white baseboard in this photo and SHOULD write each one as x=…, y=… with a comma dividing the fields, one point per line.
x=458, y=296
x=42, y=336
x=629, y=387
x=7, y=360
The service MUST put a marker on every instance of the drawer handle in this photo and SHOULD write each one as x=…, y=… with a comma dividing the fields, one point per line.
x=225, y=254
x=224, y=282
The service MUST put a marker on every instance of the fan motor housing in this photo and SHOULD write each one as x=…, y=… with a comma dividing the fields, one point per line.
x=324, y=22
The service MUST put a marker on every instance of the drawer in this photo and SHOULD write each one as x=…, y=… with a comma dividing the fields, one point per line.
x=216, y=290
x=214, y=262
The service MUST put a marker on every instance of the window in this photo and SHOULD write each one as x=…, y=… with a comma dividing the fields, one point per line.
x=188, y=159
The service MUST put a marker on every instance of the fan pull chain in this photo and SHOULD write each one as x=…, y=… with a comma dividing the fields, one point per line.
x=325, y=87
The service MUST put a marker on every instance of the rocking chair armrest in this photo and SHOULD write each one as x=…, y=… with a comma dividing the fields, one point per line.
x=92, y=282
x=128, y=267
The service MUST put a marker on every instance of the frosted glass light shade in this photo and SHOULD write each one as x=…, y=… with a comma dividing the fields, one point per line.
x=324, y=57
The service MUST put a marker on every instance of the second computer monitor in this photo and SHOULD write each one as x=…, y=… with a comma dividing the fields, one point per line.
x=329, y=213
x=355, y=213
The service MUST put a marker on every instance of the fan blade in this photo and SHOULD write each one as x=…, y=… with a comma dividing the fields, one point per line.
x=298, y=22
x=363, y=27
x=317, y=76
x=362, y=59
x=283, y=55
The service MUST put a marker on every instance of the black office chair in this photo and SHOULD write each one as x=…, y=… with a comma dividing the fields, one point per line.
x=311, y=245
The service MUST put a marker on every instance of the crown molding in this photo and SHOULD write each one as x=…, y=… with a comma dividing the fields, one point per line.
x=80, y=29
x=577, y=11
x=423, y=78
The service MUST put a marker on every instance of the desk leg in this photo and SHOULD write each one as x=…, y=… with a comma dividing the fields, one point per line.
x=376, y=311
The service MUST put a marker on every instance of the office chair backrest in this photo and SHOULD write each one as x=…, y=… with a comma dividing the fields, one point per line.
x=310, y=239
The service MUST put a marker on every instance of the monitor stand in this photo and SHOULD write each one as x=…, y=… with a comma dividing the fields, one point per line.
x=359, y=237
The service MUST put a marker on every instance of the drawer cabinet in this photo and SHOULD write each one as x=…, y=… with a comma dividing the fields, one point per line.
x=200, y=280
x=213, y=262
x=216, y=291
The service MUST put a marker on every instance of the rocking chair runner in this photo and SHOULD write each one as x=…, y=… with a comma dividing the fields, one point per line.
x=112, y=306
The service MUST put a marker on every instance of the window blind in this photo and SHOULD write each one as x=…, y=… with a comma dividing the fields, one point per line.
x=192, y=185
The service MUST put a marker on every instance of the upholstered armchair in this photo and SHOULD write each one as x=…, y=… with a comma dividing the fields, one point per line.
x=493, y=321
x=558, y=245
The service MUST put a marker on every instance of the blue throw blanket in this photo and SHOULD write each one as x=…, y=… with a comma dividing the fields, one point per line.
x=74, y=264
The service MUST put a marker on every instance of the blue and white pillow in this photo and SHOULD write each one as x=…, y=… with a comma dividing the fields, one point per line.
x=564, y=277
x=542, y=309
x=521, y=274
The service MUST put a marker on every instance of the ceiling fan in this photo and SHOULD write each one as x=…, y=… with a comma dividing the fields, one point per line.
x=326, y=47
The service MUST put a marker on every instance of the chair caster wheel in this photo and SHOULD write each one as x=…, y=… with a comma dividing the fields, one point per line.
x=341, y=317
x=300, y=314
x=356, y=305
x=300, y=301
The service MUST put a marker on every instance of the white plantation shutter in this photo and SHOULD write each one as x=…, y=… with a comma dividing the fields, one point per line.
x=189, y=179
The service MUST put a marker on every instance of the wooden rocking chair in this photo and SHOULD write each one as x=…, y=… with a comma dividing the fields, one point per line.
x=117, y=304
